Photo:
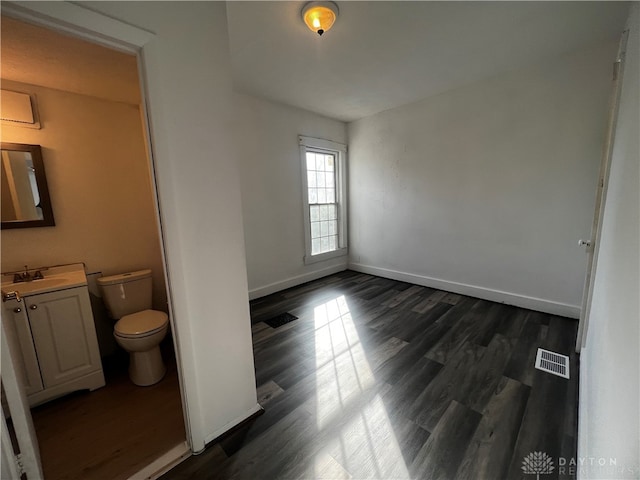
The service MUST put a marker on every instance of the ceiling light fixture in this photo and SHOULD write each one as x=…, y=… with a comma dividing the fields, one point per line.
x=320, y=16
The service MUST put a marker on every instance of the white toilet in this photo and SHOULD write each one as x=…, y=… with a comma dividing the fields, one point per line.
x=139, y=330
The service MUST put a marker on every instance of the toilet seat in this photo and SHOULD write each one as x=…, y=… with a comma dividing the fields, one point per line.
x=141, y=324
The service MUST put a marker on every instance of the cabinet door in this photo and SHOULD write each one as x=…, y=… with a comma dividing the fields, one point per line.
x=64, y=335
x=18, y=332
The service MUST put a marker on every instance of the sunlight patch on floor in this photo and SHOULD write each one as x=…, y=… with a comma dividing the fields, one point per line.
x=366, y=446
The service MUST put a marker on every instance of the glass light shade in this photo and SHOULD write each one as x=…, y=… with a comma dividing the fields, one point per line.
x=320, y=16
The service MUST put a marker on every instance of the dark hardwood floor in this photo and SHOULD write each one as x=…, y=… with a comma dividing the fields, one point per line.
x=387, y=380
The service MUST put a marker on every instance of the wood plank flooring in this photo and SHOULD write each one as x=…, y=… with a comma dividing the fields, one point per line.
x=112, y=432
x=386, y=380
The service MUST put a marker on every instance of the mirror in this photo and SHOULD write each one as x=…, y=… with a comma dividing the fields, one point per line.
x=25, y=196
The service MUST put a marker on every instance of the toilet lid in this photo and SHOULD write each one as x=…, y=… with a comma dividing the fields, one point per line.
x=141, y=322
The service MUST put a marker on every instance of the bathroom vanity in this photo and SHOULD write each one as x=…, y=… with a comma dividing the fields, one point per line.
x=50, y=328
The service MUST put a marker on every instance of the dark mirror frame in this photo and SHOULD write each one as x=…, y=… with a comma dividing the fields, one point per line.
x=43, y=189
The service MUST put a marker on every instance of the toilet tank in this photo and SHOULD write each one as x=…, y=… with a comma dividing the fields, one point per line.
x=126, y=293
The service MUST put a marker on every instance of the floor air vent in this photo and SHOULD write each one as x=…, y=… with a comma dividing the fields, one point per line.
x=280, y=320
x=552, y=362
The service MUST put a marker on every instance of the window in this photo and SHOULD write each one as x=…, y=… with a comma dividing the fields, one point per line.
x=324, y=195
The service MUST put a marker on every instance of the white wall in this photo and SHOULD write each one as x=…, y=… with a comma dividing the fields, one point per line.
x=609, y=415
x=486, y=189
x=190, y=102
x=271, y=172
x=100, y=188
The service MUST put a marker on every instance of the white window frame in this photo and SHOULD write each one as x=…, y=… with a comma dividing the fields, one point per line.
x=340, y=151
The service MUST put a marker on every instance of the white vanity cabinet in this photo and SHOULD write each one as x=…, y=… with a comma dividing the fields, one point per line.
x=19, y=337
x=56, y=336
x=64, y=335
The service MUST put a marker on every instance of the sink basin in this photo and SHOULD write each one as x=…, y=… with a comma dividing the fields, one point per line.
x=36, y=285
x=55, y=279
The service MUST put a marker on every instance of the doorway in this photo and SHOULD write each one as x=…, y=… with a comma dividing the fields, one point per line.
x=121, y=427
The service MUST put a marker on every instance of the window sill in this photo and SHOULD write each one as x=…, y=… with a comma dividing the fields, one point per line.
x=311, y=259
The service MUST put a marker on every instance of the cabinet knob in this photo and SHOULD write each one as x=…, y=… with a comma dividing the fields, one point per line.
x=33, y=307
x=17, y=310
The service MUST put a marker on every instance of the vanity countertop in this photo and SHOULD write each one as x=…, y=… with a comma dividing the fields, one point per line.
x=55, y=278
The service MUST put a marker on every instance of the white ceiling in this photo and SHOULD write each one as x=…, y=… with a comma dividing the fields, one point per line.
x=377, y=56
x=380, y=55
x=39, y=56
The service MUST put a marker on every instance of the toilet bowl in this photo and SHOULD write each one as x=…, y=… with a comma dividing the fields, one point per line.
x=138, y=330
x=140, y=334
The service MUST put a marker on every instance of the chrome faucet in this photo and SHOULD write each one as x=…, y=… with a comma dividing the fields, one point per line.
x=22, y=277
x=26, y=276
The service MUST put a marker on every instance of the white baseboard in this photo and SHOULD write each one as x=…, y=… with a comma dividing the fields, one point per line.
x=294, y=281
x=532, y=303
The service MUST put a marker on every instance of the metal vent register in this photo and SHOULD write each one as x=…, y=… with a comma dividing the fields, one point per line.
x=280, y=320
x=552, y=362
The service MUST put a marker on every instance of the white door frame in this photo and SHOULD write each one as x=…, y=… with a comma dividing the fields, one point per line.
x=97, y=28
x=593, y=245
x=28, y=460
